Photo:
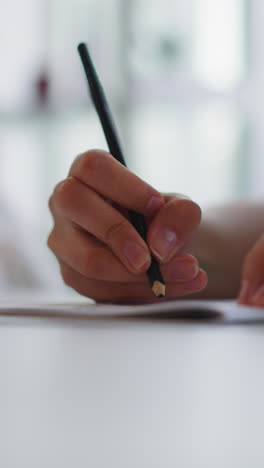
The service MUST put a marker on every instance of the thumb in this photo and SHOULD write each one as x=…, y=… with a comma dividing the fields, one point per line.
x=252, y=285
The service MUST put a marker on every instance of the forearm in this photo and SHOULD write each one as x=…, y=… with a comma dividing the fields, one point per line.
x=226, y=234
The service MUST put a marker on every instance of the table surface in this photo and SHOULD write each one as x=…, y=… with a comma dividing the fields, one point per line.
x=130, y=393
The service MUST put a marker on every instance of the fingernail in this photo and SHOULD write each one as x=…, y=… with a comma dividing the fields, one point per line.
x=182, y=269
x=196, y=284
x=244, y=292
x=153, y=205
x=164, y=244
x=136, y=255
x=258, y=295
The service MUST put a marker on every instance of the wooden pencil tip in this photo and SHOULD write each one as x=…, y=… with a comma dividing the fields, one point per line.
x=158, y=289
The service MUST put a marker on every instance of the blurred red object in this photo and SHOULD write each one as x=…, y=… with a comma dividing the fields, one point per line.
x=42, y=86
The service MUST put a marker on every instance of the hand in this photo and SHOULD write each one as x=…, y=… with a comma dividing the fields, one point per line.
x=100, y=253
x=252, y=289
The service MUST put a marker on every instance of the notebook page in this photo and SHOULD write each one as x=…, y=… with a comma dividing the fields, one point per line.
x=223, y=311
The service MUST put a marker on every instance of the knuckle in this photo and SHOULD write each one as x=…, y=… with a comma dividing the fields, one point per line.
x=67, y=276
x=115, y=231
x=64, y=194
x=51, y=203
x=51, y=242
x=87, y=163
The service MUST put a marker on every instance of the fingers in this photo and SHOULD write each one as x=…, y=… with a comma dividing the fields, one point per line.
x=86, y=255
x=77, y=203
x=94, y=260
x=121, y=292
x=172, y=225
x=101, y=254
x=252, y=286
x=86, y=207
x=102, y=173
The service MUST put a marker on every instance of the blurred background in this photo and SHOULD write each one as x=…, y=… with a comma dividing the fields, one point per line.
x=184, y=80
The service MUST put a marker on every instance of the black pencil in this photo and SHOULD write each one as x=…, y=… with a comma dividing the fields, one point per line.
x=104, y=114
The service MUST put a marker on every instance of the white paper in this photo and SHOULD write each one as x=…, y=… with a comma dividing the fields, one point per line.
x=221, y=310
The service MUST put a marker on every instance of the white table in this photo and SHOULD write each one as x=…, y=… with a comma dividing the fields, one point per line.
x=130, y=394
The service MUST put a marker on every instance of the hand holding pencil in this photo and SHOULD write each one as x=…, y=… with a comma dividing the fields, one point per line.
x=119, y=204
x=100, y=253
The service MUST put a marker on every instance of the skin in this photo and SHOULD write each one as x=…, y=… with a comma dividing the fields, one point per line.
x=103, y=257
x=252, y=290
x=230, y=247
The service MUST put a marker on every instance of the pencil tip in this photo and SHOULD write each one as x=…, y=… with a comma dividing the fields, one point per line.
x=158, y=289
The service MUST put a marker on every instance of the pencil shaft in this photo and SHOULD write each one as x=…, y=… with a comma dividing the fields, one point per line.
x=110, y=132
x=101, y=105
